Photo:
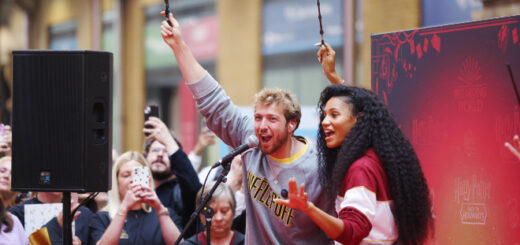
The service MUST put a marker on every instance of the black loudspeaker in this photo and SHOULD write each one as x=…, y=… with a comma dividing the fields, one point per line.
x=62, y=120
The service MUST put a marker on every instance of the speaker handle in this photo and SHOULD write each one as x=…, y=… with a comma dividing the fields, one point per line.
x=98, y=127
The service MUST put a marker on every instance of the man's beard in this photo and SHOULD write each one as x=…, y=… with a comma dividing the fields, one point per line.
x=160, y=176
x=277, y=143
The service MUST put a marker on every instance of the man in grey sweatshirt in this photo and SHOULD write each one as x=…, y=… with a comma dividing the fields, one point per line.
x=266, y=169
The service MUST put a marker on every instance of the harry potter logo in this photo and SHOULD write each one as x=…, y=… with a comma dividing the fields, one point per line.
x=472, y=93
x=472, y=195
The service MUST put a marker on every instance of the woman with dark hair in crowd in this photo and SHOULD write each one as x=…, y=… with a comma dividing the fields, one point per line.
x=11, y=229
x=369, y=167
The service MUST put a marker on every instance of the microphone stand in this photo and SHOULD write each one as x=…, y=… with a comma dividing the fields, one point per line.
x=68, y=215
x=208, y=212
x=221, y=178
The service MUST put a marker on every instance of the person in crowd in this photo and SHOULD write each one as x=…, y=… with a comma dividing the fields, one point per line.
x=11, y=229
x=54, y=226
x=222, y=204
x=206, y=138
x=5, y=140
x=234, y=181
x=515, y=147
x=134, y=214
x=39, y=198
x=208, y=173
x=12, y=198
x=82, y=233
x=6, y=194
x=266, y=169
x=369, y=168
x=175, y=181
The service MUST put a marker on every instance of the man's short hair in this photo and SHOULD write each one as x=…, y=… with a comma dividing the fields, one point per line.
x=269, y=96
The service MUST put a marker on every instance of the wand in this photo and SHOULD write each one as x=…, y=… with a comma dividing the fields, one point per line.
x=167, y=12
x=514, y=84
x=321, y=27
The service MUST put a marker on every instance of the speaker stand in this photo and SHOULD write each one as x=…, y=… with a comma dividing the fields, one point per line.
x=67, y=219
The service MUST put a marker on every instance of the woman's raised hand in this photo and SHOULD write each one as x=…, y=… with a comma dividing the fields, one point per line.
x=327, y=57
x=297, y=198
x=515, y=147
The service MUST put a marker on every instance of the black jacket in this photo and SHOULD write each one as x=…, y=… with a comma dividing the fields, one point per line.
x=180, y=193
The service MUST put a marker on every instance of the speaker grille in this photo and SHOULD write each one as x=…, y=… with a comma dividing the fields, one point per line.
x=51, y=118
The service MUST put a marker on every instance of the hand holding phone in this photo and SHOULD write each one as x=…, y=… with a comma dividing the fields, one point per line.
x=150, y=111
x=141, y=176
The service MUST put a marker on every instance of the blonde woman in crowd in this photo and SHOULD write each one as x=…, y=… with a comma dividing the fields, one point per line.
x=134, y=214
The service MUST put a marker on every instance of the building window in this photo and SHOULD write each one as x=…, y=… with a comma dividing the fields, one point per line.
x=290, y=30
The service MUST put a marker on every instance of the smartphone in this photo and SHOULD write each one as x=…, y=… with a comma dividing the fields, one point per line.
x=141, y=176
x=150, y=111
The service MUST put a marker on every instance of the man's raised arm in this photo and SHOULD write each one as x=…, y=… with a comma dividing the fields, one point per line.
x=191, y=70
x=222, y=116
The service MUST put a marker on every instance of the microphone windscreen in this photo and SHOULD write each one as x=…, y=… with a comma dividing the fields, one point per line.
x=252, y=141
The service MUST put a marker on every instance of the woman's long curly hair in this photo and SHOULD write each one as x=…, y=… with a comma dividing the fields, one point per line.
x=376, y=129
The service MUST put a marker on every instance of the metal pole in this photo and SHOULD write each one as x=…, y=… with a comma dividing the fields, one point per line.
x=67, y=219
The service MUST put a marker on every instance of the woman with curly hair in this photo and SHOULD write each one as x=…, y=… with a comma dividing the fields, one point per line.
x=369, y=167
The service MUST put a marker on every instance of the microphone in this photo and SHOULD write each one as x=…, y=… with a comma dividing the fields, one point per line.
x=251, y=142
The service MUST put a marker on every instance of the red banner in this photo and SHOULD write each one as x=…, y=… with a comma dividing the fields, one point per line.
x=450, y=91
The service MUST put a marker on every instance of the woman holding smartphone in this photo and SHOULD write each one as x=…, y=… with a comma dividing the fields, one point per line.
x=369, y=168
x=134, y=214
